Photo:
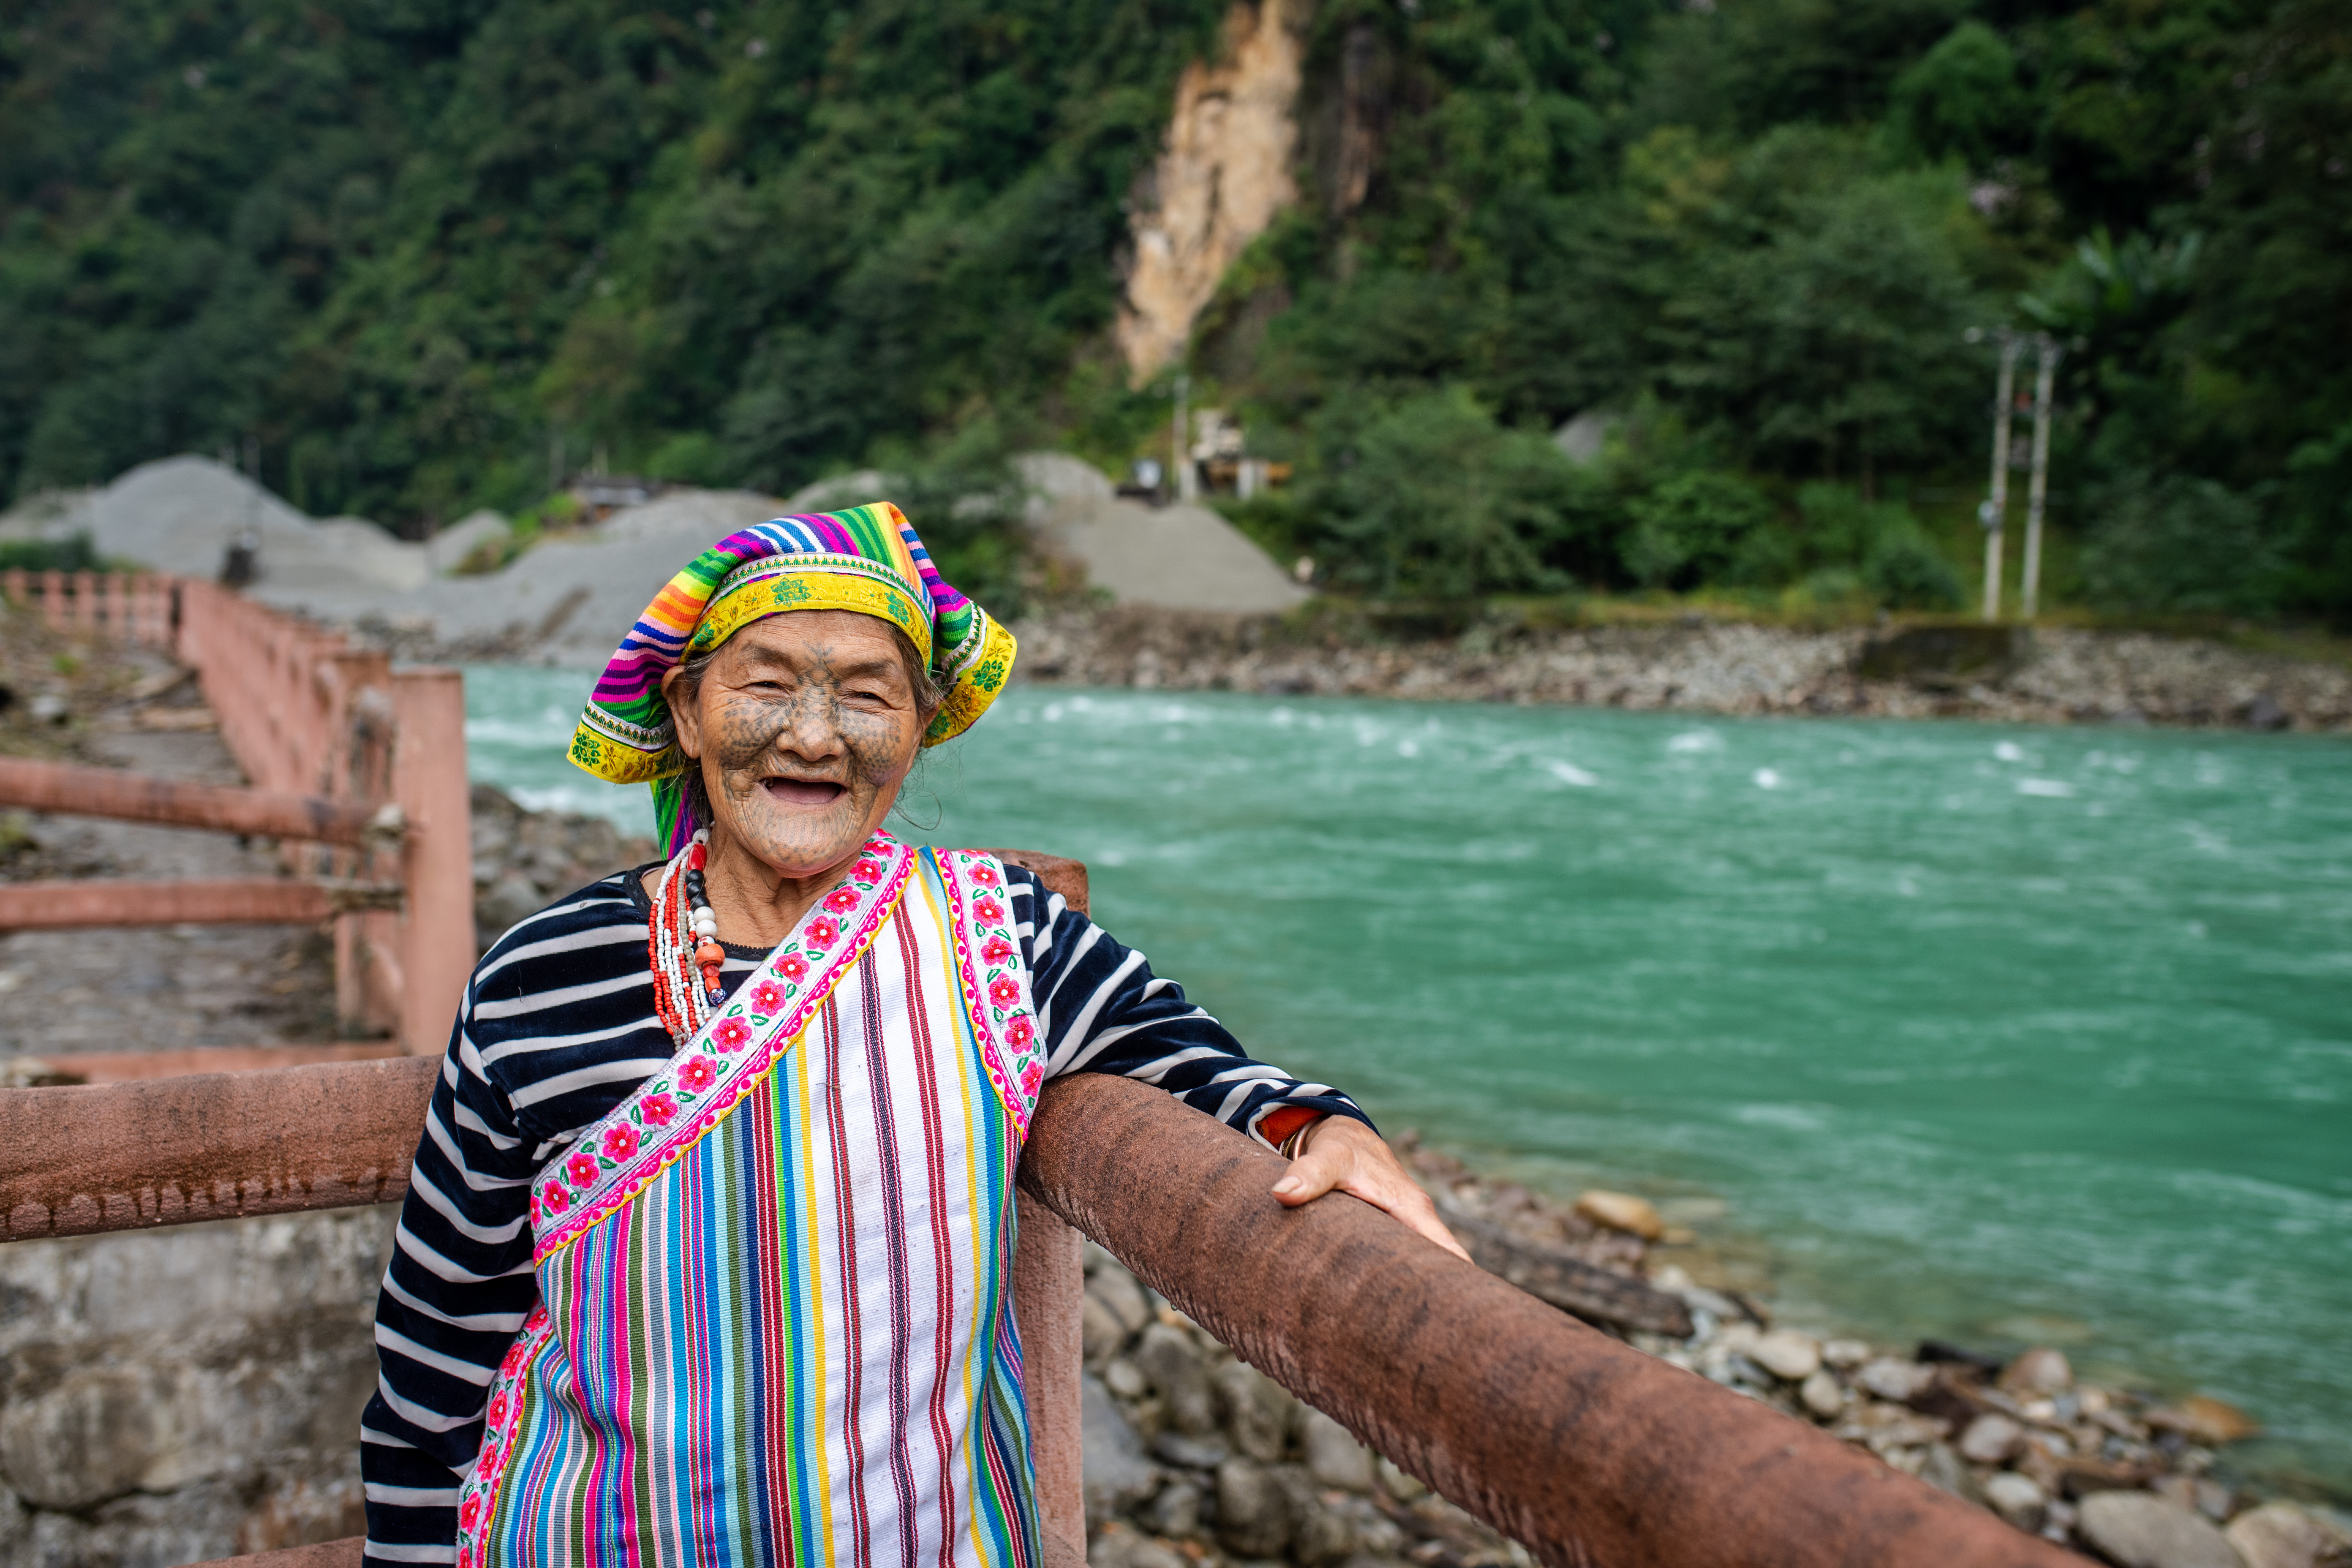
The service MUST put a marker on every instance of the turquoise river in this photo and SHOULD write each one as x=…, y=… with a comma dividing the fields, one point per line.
x=1994, y=1034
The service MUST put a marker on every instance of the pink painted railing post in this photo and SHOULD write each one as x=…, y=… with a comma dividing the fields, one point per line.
x=1048, y=1282
x=436, y=925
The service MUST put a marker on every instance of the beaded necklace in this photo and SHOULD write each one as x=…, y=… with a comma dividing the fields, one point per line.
x=682, y=943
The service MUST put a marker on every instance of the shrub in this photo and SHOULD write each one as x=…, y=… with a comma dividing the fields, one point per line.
x=2178, y=544
x=1691, y=528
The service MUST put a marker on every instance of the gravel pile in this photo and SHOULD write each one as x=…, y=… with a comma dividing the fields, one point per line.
x=1193, y=1458
x=1694, y=665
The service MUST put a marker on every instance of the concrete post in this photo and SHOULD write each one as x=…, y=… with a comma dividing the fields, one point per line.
x=2047, y=353
x=428, y=781
x=1047, y=1284
x=1996, y=506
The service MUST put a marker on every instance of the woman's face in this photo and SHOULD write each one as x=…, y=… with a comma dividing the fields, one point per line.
x=805, y=725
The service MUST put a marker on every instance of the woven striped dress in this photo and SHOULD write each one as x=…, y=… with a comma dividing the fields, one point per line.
x=773, y=1318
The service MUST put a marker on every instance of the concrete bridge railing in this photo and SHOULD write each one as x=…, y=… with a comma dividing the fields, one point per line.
x=1587, y=1450
x=357, y=769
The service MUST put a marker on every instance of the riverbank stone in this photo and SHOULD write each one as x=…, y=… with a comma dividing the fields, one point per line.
x=1822, y=1395
x=2140, y=1530
x=1116, y=1475
x=1990, y=1440
x=1258, y=1411
x=1787, y=1354
x=2040, y=1373
x=2281, y=1535
x=2206, y=1422
x=1622, y=1211
x=2018, y=1500
x=1334, y=1458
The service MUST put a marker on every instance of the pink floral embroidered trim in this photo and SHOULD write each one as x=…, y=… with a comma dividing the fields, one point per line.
x=995, y=980
x=671, y=1111
x=502, y=1429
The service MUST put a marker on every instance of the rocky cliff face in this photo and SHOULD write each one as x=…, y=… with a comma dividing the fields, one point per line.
x=1223, y=175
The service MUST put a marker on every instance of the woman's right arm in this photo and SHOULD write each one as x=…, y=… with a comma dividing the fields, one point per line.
x=455, y=1294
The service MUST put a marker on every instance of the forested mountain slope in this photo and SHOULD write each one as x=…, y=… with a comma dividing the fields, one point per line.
x=428, y=252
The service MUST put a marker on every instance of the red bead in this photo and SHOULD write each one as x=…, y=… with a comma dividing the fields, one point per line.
x=697, y=859
x=710, y=954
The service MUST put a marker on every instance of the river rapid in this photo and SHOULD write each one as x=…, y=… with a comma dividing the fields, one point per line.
x=1998, y=1035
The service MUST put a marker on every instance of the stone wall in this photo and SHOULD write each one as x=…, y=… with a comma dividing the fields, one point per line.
x=173, y=1395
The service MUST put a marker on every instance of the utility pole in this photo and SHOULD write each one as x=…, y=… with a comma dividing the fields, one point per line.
x=2047, y=355
x=1995, y=510
x=1188, y=483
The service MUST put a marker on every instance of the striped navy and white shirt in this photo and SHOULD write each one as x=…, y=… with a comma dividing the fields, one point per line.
x=558, y=1028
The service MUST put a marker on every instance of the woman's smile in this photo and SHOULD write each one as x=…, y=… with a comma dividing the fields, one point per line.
x=816, y=792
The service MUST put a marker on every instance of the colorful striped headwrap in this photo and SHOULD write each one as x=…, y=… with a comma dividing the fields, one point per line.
x=866, y=559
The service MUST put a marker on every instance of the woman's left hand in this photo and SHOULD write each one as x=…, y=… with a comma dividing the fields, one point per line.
x=1341, y=1153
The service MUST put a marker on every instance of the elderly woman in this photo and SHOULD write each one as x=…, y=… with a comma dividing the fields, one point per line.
x=707, y=1253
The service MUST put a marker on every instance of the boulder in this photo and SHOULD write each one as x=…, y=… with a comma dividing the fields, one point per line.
x=2203, y=1420
x=1990, y=1440
x=1257, y=1411
x=2040, y=1373
x=1334, y=1458
x=1787, y=1355
x=1120, y=1292
x=1254, y=1518
x=1099, y=1335
x=1822, y=1395
x=1171, y=1361
x=2140, y=1530
x=1894, y=1380
x=1176, y=1510
x=1942, y=1468
x=1116, y=1474
x=2281, y=1535
x=1622, y=1211
x=1121, y=1547
x=2019, y=1500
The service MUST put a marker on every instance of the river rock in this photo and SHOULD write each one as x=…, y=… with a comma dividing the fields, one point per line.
x=1121, y=1378
x=1121, y=1547
x=1115, y=1476
x=1258, y=1411
x=2018, y=1500
x=1120, y=1292
x=1894, y=1380
x=2281, y=1535
x=1176, y=1510
x=1844, y=1354
x=1622, y=1211
x=1334, y=1458
x=1169, y=1360
x=2206, y=1421
x=1189, y=1453
x=2040, y=1372
x=1323, y=1534
x=1399, y=1483
x=2140, y=1530
x=1787, y=1355
x=1099, y=1335
x=1941, y=1468
x=1822, y=1395
x=1253, y=1517
x=1990, y=1440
